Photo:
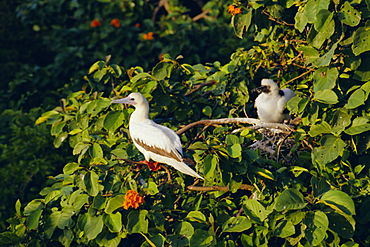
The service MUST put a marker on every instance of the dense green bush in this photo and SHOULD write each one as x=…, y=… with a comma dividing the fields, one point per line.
x=46, y=45
x=307, y=187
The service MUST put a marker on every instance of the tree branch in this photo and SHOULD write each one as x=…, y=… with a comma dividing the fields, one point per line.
x=219, y=188
x=199, y=86
x=257, y=124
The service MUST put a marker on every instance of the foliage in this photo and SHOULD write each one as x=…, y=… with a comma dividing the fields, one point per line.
x=317, y=197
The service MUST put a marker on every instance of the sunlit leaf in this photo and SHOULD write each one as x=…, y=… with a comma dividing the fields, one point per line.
x=236, y=224
x=290, y=199
x=339, y=201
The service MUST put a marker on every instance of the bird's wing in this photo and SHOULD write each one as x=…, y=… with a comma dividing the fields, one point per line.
x=156, y=139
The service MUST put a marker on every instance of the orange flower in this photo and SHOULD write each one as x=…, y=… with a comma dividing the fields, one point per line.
x=115, y=22
x=148, y=36
x=95, y=23
x=233, y=10
x=132, y=199
x=137, y=25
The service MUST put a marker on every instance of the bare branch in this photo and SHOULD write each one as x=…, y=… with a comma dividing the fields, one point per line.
x=199, y=86
x=219, y=188
x=257, y=124
x=201, y=15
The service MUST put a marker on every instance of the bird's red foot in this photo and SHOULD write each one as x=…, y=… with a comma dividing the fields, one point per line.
x=153, y=166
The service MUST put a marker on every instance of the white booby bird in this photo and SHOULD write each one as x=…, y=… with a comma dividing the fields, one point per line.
x=154, y=141
x=271, y=102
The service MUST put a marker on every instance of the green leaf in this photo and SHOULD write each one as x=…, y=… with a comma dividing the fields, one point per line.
x=236, y=224
x=33, y=219
x=284, y=229
x=91, y=183
x=18, y=207
x=196, y=216
x=70, y=168
x=331, y=147
x=290, y=199
x=114, y=203
x=97, y=151
x=319, y=186
x=65, y=219
x=140, y=76
x=349, y=15
x=9, y=239
x=59, y=139
x=326, y=58
x=326, y=96
x=341, y=119
x=359, y=125
x=317, y=225
x=234, y=151
x=318, y=129
x=310, y=53
x=113, y=221
x=201, y=238
x=361, y=41
x=137, y=222
x=241, y=22
x=207, y=110
x=255, y=210
x=113, y=120
x=185, y=229
x=339, y=201
x=339, y=224
x=162, y=70
x=57, y=128
x=325, y=78
x=51, y=223
x=93, y=226
x=80, y=147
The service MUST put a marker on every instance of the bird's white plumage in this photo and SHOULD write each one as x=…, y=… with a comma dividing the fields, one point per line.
x=154, y=141
x=271, y=103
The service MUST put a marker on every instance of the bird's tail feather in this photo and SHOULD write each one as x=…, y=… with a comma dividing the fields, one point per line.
x=184, y=168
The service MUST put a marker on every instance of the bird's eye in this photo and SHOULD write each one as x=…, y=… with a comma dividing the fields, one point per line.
x=133, y=99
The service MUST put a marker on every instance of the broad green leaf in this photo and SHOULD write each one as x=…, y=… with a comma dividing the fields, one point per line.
x=310, y=53
x=9, y=238
x=325, y=78
x=79, y=201
x=326, y=58
x=359, y=125
x=319, y=186
x=318, y=129
x=339, y=201
x=236, y=224
x=113, y=221
x=80, y=147
x=33, y=219
x=234, y=151
x=93, y=226
x=326, y=96
x=114, y=203
x=290, y=199
x=70, y=168
x=361, y=41
x=341, y=119
x=53, y=196
x=356, y=99
x=153, y=241
x=207, y=110
x=59, y=139
x=317, y=225
x=91, y=183
x=137, y=222
x=196, y=216
x=331, y=147
x=284, y=229
x=17, y=207
x=108, y=239
x=201, y=238
x=198, y=145
x=96, y=151
x=349, y=15
x=210, y=164
x=33, y=206
x=339, y=224
x=141, y=76
x=241, y=22
x=185, y=229
x=51, y=223
x=57, y=128
x=113, y=120
x=162, y=70
x=65, y=219
x=301, y=20
x=295, y=217
x=255, y=210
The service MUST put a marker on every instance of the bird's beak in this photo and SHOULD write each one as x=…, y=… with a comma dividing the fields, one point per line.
x=261, y=89
x=126, y=100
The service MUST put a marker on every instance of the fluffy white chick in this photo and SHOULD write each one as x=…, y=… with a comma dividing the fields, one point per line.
x=271, y=102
